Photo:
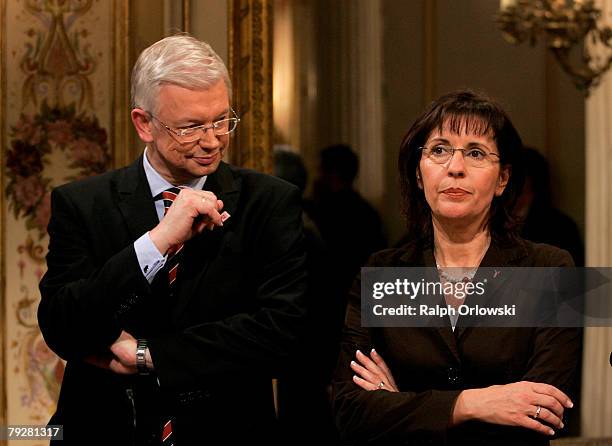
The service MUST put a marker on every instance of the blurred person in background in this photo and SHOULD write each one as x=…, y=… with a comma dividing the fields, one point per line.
x=541, y=222
x=304, y=393
x=349, y=225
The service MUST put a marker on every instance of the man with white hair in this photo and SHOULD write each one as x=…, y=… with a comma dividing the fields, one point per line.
x=175, y=286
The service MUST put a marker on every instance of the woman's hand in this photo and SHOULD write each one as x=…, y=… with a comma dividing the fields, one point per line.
x=523, y=404
x=372, y=373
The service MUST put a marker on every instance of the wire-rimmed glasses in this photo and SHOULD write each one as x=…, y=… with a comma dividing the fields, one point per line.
x=472, y=156
x=188, y=135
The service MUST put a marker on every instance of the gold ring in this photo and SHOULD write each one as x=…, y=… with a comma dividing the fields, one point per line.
x=381, y=385
x=537, y=414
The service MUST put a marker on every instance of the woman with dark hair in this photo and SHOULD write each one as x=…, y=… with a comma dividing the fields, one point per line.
x=460, y=172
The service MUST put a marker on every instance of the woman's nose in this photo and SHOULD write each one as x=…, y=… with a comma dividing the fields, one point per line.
x=456, y=164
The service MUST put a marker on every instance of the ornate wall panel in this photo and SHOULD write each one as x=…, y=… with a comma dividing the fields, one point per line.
x=250, y=66
x=64, y=116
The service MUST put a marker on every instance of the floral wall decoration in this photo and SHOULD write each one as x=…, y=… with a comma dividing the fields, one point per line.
x=57, y=116
x=85, y=147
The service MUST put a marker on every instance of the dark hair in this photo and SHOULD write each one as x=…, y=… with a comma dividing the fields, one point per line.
x=341, y=160
x=474, y=113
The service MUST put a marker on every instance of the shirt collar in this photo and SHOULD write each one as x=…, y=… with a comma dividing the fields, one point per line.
x=158, y=184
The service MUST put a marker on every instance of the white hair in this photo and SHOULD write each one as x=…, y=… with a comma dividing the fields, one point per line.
x=178, y=60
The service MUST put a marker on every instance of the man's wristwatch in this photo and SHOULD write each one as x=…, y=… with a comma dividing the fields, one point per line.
x=141, y=356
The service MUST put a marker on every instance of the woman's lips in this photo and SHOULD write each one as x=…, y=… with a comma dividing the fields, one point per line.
x=454, y=192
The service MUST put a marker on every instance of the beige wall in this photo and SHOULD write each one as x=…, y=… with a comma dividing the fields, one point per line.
x=209, y=23
x=403, y=92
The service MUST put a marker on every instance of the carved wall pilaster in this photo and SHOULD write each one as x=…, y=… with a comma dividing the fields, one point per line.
x=597, y=373
x=250, y=66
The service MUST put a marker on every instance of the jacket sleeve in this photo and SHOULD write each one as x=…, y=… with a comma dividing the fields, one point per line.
x=556, y=351
x=403, y=417
x=255, y=342
x=366, y=417
x=80, y=299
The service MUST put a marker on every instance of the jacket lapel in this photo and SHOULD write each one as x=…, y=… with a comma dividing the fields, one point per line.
x=135, y=201
x=499, y=255
x=420, y=254
x=223, y=184
x=204, y=248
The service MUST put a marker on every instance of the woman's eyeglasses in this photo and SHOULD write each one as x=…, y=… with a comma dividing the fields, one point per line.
x=473, y=156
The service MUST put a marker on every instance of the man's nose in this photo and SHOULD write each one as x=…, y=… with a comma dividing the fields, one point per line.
x=208, y=138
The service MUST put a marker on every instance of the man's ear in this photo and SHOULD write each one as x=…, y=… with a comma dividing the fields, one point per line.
x=502, y=180
x=418, y=177
x=142, y=123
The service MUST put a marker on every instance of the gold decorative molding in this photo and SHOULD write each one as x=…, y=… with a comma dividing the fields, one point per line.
x=3, y=337
x=186, y=16
x=250, y=64
x=123, y=151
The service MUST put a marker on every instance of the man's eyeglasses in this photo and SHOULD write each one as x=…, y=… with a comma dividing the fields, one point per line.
x=473, y=156
x=187, y=135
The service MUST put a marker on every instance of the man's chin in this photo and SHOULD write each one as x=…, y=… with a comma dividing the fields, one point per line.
x=202, y=168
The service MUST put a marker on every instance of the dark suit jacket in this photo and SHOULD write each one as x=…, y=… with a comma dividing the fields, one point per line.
x=216, y=339
x=433, y=365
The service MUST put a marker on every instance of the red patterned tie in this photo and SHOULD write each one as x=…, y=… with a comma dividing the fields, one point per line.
x=167, y=435
x=169, y=195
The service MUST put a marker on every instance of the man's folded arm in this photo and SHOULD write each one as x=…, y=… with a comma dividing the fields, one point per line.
x=81, y=302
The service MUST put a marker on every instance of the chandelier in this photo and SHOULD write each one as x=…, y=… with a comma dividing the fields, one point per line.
x=563, y=25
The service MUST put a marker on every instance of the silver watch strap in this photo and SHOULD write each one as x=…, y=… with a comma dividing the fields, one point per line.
x=141, y=356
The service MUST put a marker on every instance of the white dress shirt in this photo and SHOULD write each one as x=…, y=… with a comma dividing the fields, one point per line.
x=149, y=257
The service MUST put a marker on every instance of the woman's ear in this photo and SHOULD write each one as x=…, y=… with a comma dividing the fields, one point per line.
x=502, y=180
x=142, y=123
x=418, y=178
